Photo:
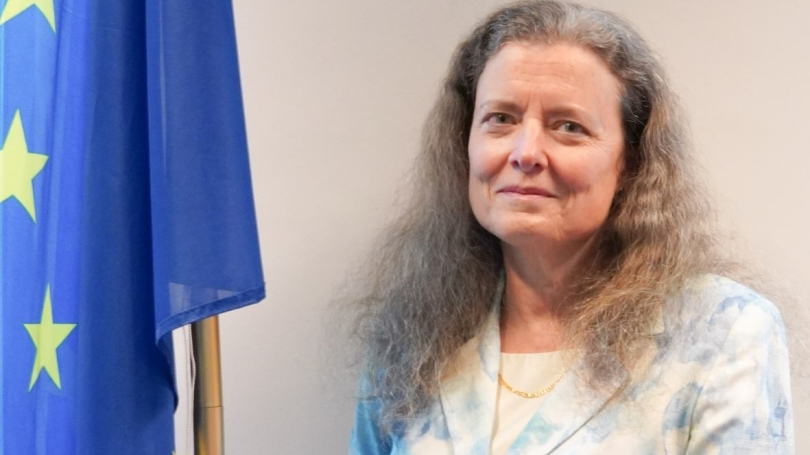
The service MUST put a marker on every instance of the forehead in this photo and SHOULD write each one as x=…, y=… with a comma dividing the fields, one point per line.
x=560, y=69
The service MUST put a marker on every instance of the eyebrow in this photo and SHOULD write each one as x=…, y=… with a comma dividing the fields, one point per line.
x=505, y=105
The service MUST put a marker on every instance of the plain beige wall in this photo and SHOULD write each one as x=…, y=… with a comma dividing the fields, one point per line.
x=335, y=93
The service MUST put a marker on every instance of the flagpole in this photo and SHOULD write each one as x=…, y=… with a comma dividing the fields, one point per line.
x=208, y=418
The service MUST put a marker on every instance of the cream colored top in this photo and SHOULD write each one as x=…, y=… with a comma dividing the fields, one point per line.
x=527, y=373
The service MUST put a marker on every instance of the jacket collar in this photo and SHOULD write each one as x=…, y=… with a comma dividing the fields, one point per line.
x=565, y=410
x=468, y=396
x=468, y=399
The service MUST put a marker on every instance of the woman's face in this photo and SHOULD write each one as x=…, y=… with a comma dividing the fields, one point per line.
x=546, y=144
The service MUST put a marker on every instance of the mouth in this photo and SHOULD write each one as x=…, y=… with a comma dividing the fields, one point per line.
x=525, y=191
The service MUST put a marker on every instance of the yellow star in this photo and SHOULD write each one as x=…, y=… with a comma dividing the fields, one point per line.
x=15, y=7
x=47, y=336
x=18, y=167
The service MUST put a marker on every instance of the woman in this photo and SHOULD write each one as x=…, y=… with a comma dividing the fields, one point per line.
x=555, y=284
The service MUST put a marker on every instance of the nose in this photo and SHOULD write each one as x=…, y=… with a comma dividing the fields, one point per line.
x=529, y=154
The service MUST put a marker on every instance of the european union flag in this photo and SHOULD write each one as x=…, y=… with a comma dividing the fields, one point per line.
x=125, y=212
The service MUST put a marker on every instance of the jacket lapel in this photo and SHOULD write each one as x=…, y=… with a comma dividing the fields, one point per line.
x=568, y=408
x=468, y=403
x=565, y=410
x=468, y=396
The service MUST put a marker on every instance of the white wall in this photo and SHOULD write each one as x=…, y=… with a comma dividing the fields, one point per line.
x=335, y=93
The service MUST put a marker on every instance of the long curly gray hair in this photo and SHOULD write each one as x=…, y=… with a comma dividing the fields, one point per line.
x=429, y=286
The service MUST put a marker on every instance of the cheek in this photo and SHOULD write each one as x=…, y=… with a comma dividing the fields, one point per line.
x=485, y=161
x=481, y=175
x=478, y=193
x=591, y=182
x=477, y=162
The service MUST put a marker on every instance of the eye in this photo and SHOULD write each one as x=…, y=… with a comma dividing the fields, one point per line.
x=571, y=128
x=499, y=118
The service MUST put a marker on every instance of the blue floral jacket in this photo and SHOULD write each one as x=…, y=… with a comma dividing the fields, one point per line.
x=719, y=383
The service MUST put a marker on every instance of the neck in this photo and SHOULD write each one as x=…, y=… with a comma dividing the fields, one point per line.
x=536, y=284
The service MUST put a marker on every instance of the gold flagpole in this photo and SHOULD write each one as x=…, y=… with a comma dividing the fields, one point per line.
x=208, y=419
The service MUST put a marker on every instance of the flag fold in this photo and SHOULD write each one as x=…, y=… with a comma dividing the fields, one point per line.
x=126, y=211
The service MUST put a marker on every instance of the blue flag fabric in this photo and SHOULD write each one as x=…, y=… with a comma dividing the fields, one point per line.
x=125, y=212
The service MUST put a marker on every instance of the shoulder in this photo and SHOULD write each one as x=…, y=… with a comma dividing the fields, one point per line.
x=733, y=340
x=715, y=308
x=714, y=320
x=367, y=437
x=726, y=293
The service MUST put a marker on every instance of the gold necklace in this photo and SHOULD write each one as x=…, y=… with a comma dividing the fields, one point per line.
x=527, y=394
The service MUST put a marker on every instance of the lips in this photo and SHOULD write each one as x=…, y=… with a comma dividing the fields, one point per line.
x=525, y=191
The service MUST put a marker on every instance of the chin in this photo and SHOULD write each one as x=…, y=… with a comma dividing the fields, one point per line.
x=538, y=234
x=518, y=234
